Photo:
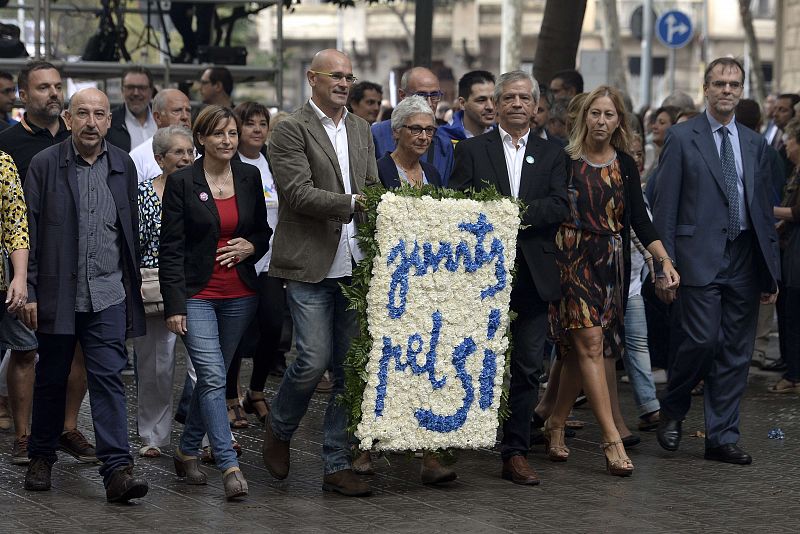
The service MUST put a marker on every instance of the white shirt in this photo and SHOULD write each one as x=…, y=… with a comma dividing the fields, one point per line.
x=348, y=249
x=139, y=132
x=271, y=199
x=145, y=161
x=515, y=156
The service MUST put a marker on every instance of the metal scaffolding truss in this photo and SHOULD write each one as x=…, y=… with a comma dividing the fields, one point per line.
x=167, y=72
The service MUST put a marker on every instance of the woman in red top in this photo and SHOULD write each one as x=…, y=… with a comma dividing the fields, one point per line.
x=213, y=230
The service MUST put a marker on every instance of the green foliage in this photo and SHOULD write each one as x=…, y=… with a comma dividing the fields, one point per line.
x=356, y=293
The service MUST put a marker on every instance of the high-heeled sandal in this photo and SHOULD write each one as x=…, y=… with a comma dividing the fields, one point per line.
x=187, y=466
x=554, y=444
x=257, y=406
x=622, y=466
x=236, y=418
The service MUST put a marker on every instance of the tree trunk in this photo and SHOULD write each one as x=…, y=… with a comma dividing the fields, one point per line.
x=611, y=42
x=558, y=38
x=752, y=43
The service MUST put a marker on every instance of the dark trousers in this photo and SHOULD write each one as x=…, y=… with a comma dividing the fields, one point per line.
x=181, y=15
x=528, y=332
x=719, y=325
x=790, y=336
x=263, y=337
x=102, y=338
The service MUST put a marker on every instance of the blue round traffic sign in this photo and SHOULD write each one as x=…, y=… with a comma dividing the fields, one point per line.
x=674, y=28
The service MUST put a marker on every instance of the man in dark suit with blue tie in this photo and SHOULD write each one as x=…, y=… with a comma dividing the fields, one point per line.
x=524, y=166
x=713, y=213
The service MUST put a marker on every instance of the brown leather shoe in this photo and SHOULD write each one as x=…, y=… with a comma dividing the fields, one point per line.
x=347, y=483
x=433, y=472
x=275, y=453
x=518, y=470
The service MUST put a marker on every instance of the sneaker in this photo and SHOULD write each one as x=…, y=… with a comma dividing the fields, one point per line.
x=19, y=452
x=74, y=443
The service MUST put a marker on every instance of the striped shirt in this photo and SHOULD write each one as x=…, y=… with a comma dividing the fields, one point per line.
x=99, y=238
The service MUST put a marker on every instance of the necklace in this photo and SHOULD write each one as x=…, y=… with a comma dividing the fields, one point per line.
x=412, y=180
x=216, y=184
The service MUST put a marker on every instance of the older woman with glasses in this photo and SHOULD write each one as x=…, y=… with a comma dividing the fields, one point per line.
x=155, y=352
x=413, y=128
x=214, y=229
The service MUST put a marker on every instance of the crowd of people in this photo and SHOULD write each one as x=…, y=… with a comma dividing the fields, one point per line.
x=234, y=229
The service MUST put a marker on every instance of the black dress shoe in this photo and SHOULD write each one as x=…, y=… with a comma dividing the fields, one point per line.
x=728, y=453
x=123, y=486
x=37, y=478
x=668, y=433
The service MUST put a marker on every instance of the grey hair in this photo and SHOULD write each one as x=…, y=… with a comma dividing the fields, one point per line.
x=162, y=140
x=515, y=76
x=409, y=106
x=160, y=101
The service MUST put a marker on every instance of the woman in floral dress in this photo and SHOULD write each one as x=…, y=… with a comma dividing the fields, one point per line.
x=593, y=252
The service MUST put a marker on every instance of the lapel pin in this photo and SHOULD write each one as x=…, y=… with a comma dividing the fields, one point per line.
x=203, y=196
x=529, y=159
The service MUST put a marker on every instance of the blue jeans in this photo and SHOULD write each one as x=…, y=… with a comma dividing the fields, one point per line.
x=213, y=331
x=637, y=356
x=323, y=330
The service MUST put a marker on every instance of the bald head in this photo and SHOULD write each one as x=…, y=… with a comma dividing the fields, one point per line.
x=89, y=118
x=324, y=59
x=90, y=94
x=421, y=81
x=171, y=107
x=328, y=77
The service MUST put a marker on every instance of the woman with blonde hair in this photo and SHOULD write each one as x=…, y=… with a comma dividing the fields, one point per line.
x=593, y=253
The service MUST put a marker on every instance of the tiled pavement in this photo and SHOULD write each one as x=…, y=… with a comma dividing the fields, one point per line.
x=677, y=492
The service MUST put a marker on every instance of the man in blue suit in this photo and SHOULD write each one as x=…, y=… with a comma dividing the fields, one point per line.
x=713, y=213
x=422, y=82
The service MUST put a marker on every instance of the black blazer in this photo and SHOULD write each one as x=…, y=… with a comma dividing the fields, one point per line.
x=190, y=231
x=480, y=162
x=52, y=196
x=387, y=172
x=118, y=134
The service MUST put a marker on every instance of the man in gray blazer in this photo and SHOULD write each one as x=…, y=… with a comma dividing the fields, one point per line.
x=322, y=158
x=712, y=210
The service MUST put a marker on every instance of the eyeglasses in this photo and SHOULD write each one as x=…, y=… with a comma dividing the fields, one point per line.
x=416, y=131
x=337, y=76
x=205, y=82
x=131, y=88
x=181, y=152
x=434, y=97
x=720, y=84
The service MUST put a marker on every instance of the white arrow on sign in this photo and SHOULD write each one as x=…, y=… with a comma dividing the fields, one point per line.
x=675, y=27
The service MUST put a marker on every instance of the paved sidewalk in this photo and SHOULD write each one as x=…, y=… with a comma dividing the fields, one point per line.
x=677, y=492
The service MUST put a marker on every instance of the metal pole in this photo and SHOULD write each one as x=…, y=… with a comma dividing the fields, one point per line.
x=37, y=29
x=47, y=32
x=671, y=86
x=646, y=63
x=423, y=33
x=279, y=66
x=510, y=34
